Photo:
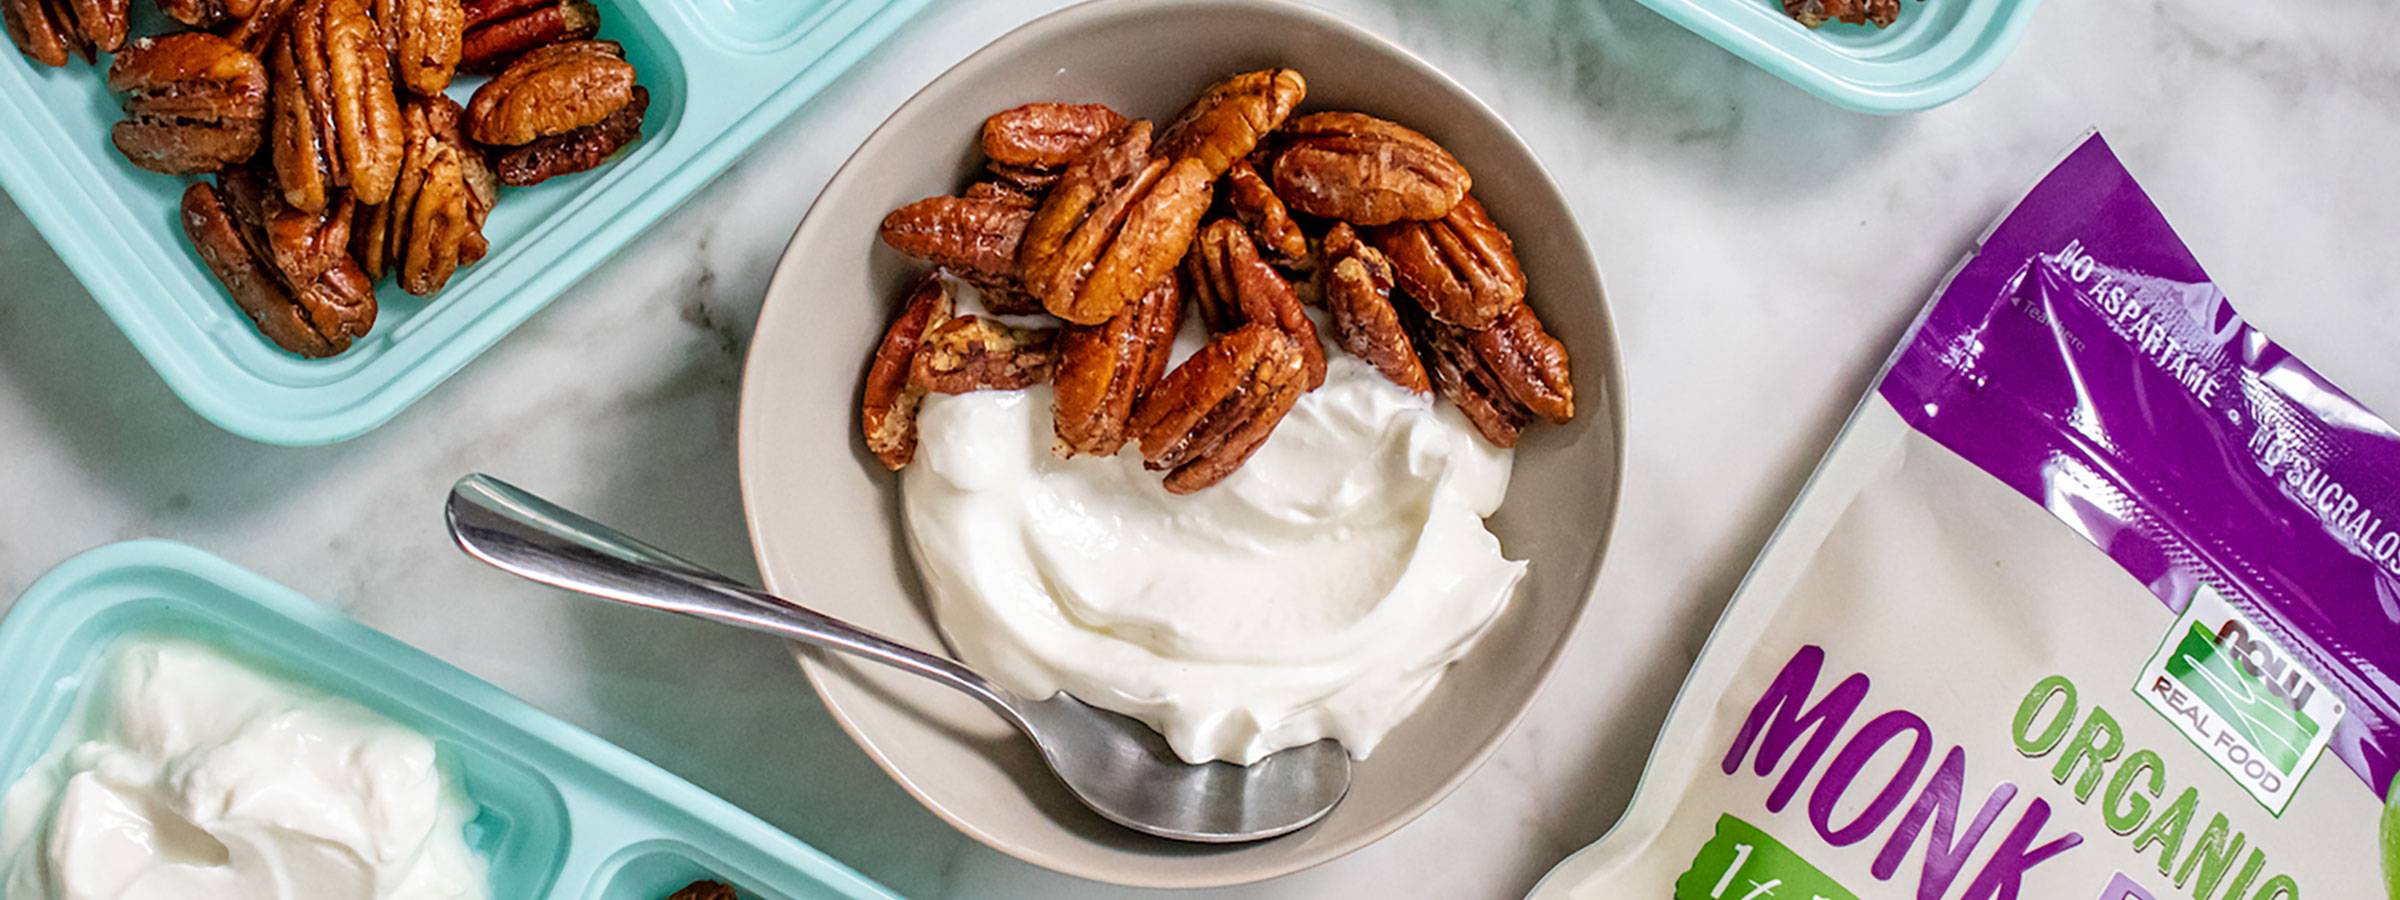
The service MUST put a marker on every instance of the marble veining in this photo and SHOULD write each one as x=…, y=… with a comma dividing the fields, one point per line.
x=1762, y=251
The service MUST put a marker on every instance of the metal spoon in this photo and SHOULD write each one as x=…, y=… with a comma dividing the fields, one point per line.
x=1115, y=764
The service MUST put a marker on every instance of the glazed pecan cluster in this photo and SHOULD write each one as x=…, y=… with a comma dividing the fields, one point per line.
x=1106, y=227
x=1815, y=13
x=334, y=113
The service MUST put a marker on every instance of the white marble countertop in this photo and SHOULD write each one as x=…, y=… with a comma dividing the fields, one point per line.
x=1762, y=250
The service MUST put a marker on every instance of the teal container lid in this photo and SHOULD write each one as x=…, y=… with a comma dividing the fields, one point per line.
x=562, y=814
x=720, y=75
x=1936, y=52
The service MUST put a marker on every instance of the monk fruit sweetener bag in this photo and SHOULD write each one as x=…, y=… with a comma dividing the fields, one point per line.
x=2098, y=596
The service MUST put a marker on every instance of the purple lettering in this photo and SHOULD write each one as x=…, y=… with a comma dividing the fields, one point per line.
x=1937, y=805
x=1854, y=757
x=1780, y=720
x=2004, y=874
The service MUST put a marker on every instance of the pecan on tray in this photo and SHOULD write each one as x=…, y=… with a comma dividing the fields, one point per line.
x=1104, y=369
x=301, y=245
x=50, y=31
x=336, y=118
x=1502, y=377
x=423, y=38
x=889, y=408
x=1234, y=287
x=206, y=13
x=496, y=32
x=1227, y=121
x=1462, y=267
x=316, y=318
x=574, y=151
x=1357, y=287
x=1205, y=418
x=256, y=27
x=1255, y=203
x=1113, y=227
x=196, y=103
x=974, y=237
x=553, y=90
x=705, y=890
x=432, y=223
x=1031, y=145
x=1815, y=13
x=970, y=353
x=1365, y=171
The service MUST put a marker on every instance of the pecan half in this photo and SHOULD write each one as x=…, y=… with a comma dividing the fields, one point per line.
x=575, y=151
x=1030, y=144
x=302, y=245
x=1358, y=292
x=336, y=119
x=1366, y=171
x=315, y=319
x=553, y=90
x=1503, y=377
x=1115, y=225
x=889, y=407
x=1104, y=369
x=1229, y=119
x=970, y=353
x=206, y=13
x=1462, y=267
x=974, y=237
x=196, y=103
x=50, y=31
x=1205, y=418
x=263, y=20
x=423, y=38
x=433, y=221
x=496, y=32
x=1234, y=288
x=1255, y=203
x=1815, y=13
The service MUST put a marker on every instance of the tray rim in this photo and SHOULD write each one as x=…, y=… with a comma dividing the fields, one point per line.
x=2002, y=34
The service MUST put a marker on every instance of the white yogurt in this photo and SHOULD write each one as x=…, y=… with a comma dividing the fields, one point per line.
x=199, y=779
x=1320, y=591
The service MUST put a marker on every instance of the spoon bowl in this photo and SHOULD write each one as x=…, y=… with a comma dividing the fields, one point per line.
x=1116, y=765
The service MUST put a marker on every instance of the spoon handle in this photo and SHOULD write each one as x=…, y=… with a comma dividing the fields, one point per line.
x=516, y=531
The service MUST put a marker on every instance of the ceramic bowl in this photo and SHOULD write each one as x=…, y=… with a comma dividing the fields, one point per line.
x=825, y=516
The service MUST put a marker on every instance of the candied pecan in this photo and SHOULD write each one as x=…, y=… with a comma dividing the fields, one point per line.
x=1104, y=369
x=1255, y=203
x=1234, y=287
x=1358, y=292
x=553, y=90
x=498, y=31
x=49, y=31
x=196, y=103
x=1203, y=420
x=1227, y=121
x=1001, y=192
x=575, y=151
x=705, y=890
x=206, y=13
x=1366, y=171
x=891, y=397
x=433, y=221
x=1039, y=139
x=1461, y=379
x=315, y=319
x=300, y=244
x=423, y=38
x=337, y=120
x=1527, y=363
x=1116, y=224
x=1461, y=267
x=976, y=239
x=1815, y=13
x=261, y=23
x=970, y=353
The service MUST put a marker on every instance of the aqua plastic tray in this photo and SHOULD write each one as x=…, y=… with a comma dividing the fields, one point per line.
x=1937, y=51
x=720, y=73
x=565, y=815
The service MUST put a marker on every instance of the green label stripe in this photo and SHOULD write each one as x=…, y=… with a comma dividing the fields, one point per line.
x=2279, y=732
x=1744, y=863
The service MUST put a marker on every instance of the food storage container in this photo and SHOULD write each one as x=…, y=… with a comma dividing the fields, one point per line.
x=1935, y=53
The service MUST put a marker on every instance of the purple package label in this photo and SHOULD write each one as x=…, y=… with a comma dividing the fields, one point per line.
x=2084, y=358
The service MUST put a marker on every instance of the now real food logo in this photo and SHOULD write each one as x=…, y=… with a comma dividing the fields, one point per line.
x=2241, y=698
